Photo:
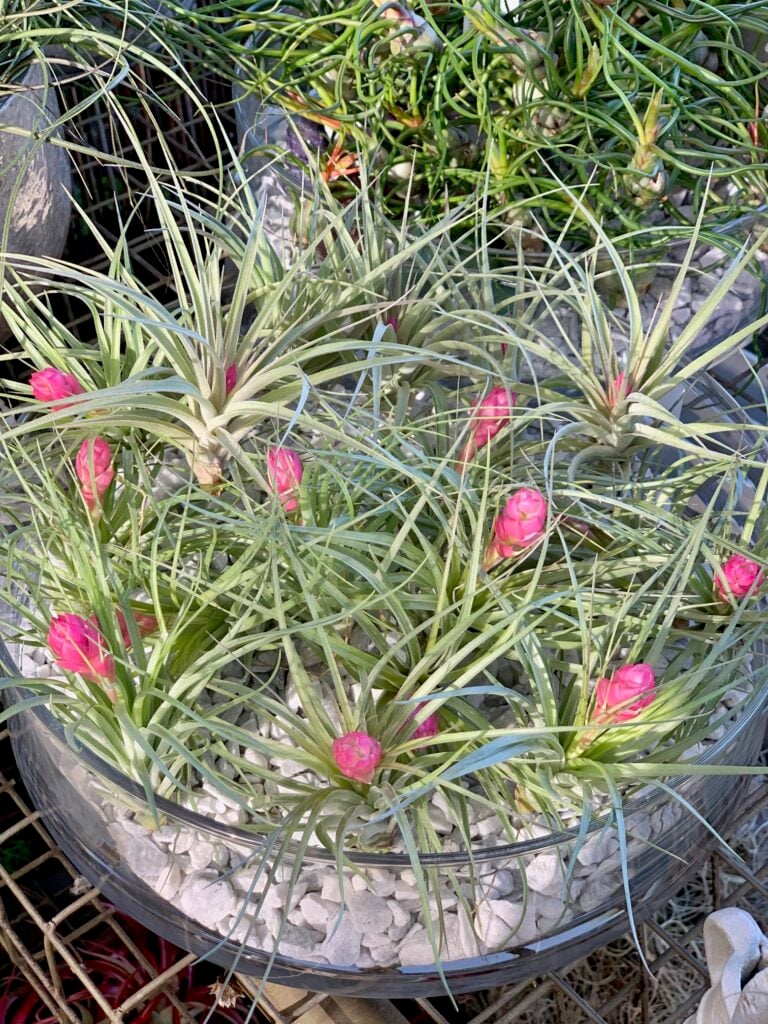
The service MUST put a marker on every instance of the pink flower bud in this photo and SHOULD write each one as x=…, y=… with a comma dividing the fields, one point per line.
x=51, y=385
x=94, y=470
x=742, y=576
x=522, y=522
x=617, y=390
x=428, y=728
x=357, y=755
x=285, y=472
x=145, y=624
x=230, y=378
x=78, y=646
x=489, y=415
x=622, y=697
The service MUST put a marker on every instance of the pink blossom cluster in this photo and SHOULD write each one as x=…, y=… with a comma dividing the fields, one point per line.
x=284, y=472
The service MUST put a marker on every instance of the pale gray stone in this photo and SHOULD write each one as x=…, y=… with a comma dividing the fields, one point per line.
x=331, y=891
x=369, y=913
x=598, y=849
x=545, y=874
x=201, y=855
x=400, y=917
x=206, y=899
x=146, y=860
x=295, y=941
x=342, y=946
x=169, y=881
x=382, y=882
x=500, y=923
x=319, y=913
x=416, y=950
x=384, y=954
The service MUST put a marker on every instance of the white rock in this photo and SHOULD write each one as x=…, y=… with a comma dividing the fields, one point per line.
x=545, y=874
x=286, y=767
x=400, y=917
x=168, y=882
x=382, y=882
x=206, y=899
x=201, y=855
x=369, y=914
x=489, y=826
x=598, y=849
x=342, y=946
x=500, y=923
x=297, y=942
x=255, y=757
x=416, y=950
x=384, y=954
x=598, y=887
x=319, y=914
x=331, y=891
x=146, y=860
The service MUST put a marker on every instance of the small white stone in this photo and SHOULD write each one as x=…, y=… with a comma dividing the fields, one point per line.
x=342, y=946
x=201, y=855
x=544, y=874
x=405, y=893
x=143, y=857
x=133, y=828
x=382, y=882
x=384, y=954
x=319, y=914
x=331, y=891
x=500, y=923
x=286, y=767
x=400, y=917
x=489, y=826
x=206, y=899
x=416, y=950
x=168, y=882
x=369, y=914
x=600, y=847
x=297, y=942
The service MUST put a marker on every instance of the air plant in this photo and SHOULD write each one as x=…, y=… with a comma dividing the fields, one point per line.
x=414, y=582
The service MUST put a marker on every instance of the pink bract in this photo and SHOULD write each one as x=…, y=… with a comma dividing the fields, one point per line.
x=521, y=523
x=428, y=728
x=357, y=755
x=490, y=414
x=741, y=577
x=145, y=624
x=622, y=697
x=52, y=385
x=78, y=646
x=230, y=378
x=94, y=470
x=285, y=471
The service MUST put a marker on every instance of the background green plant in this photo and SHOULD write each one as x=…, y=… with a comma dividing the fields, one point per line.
x=627, y=103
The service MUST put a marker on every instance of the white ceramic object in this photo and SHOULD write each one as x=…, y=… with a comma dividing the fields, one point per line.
x=737, y=958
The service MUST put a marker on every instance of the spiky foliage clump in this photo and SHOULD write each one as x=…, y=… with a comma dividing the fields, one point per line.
x=630, y=103
x=378, y=595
